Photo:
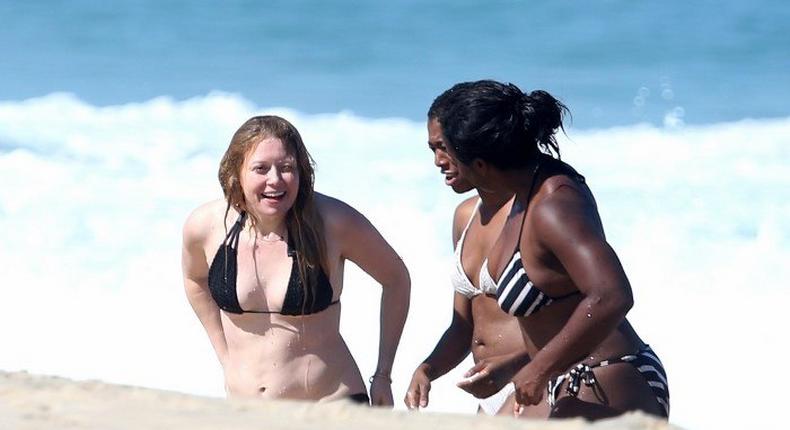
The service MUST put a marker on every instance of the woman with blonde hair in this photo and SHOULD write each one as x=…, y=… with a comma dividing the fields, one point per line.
x=263, y=271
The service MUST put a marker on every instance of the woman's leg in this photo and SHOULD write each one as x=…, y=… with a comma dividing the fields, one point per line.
x=539, y=411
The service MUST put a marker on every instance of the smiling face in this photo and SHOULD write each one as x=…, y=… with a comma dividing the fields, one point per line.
x=452, y=175
x=269, y=178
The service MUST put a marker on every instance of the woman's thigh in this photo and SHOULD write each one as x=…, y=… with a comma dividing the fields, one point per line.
x=539, y=411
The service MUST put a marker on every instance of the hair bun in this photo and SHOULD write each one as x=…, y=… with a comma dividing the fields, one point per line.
x=543, y=115
x=547, y=110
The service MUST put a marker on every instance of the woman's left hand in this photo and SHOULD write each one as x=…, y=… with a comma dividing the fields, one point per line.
x=530, y=387
x=381, y=392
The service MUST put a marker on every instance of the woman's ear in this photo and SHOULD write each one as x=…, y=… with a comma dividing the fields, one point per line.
x=236, y=193
x=480, y=166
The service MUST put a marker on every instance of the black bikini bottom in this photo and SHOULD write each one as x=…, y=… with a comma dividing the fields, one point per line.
x=361, y=398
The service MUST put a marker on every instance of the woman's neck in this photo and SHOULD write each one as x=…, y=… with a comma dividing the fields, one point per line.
x=521, y=181
x=490, y=200
x=268, y=229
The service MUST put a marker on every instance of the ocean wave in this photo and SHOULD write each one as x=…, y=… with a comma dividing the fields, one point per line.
x=93, y=199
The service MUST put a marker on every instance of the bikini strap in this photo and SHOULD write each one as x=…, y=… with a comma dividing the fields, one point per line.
x=290, y=246
x=529, y=199
x=232, y=238
x=469, y=223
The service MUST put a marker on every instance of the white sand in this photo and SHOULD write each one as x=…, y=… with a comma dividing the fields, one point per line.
x=46, y=402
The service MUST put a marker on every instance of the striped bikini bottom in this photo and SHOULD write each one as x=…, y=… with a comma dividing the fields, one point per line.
x=646, y=362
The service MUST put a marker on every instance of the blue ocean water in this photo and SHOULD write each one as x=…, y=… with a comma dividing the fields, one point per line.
x=113, y=116
x=613, y=62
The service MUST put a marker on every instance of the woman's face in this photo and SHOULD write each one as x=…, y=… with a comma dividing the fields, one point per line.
x=452, y=174
x=476, y=174
x=270, y=178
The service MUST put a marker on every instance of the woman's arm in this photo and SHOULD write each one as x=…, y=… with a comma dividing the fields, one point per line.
x=450, y=351
x=362, y=244
x=567, y=225
x=195, y=271
x=456, y=342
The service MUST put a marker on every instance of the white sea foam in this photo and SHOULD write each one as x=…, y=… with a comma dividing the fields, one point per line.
x=93, y=199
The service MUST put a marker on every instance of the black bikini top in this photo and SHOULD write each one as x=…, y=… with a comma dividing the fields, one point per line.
x=222, y=281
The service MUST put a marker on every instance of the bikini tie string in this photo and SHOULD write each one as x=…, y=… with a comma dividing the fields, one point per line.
x=583, y=373
x=579, y=374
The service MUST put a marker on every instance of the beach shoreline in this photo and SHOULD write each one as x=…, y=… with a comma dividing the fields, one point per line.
x=29, y=402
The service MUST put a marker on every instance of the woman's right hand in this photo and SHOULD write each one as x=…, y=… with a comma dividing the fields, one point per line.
x=490, y=374
x=419, y=387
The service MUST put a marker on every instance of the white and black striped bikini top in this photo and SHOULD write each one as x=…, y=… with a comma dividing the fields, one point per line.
x=515, y=292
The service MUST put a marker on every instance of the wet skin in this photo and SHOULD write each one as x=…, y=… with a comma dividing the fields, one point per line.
x=563, y=250
x=478, y=326
x=278, y=356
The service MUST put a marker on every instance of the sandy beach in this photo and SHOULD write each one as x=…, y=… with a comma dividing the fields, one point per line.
x=29, y=402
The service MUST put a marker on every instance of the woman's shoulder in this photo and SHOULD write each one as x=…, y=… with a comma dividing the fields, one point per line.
x=463, y=213
x=207, y=212
x=558, y=173
x=203, y=219
x=342, y=222
x=467, y=207
x=334, y=211
x=562, y=202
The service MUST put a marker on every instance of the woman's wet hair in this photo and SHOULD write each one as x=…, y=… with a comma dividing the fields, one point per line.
x=304, y=223
x=499, y=123
x=440, y=103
